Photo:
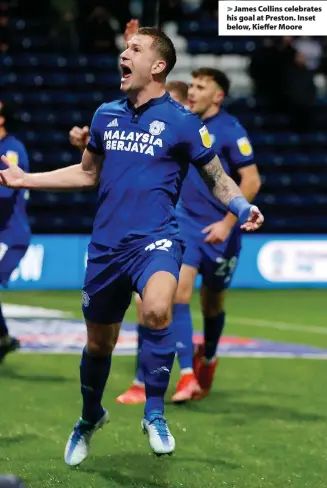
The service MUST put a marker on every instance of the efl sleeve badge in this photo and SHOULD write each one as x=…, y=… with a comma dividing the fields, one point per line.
x=205, y=137
x=244, y=146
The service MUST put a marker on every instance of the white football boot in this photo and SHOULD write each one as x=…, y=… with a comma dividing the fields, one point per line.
x=160, y=438
x=78, y=444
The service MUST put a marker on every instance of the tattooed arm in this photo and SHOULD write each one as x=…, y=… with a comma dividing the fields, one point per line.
x=220, y=184
x=227, y=191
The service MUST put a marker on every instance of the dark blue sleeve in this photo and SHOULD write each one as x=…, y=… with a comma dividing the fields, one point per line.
x=239, y=147
x=198, y=141
x=95, y=142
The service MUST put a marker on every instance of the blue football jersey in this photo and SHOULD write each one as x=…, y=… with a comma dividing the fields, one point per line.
x=14, y=224
x=197, y=204
x=146, y=152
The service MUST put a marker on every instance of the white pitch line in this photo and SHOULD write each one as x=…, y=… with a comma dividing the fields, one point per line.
x=270, y=324
x=28, y=312
x=277, y=325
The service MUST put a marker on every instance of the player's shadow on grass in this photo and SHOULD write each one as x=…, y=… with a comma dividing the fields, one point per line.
x=130, y=469
x=144, y=469
x=238, y=412
x=15, y=374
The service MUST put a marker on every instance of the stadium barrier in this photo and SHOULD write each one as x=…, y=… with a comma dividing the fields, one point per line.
x=267, y=261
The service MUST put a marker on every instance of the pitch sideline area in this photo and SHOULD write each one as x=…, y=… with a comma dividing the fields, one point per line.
x=43, y=330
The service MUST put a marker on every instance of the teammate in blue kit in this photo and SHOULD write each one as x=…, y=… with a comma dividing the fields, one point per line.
x=139, y=152
x=212, y=235
x=15, y=232
x=215, y=256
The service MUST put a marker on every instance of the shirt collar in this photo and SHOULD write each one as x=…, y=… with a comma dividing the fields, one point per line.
x=216, y=116
x=148, y=104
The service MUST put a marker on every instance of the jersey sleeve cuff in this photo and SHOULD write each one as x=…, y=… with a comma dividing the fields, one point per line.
x=243, y=164
x=205, y=159
x=94, y=150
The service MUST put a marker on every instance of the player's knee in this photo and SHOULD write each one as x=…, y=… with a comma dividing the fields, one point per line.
x=156, y=316
x=100, y=348
x=213, y=310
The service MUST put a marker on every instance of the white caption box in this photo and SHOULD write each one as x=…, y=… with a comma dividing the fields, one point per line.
x=272, y=18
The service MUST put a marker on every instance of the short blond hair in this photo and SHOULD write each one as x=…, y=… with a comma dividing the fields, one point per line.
x=163, y=44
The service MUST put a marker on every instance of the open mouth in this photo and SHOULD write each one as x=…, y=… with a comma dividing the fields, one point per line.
x=126, y=72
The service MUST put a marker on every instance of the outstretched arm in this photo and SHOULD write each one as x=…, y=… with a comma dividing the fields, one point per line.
x=221, y=185
x=79, y=176
x=218, y=232
x=227, y=191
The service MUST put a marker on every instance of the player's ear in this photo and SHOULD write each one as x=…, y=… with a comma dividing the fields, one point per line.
x=158, y=67
x=219, y=96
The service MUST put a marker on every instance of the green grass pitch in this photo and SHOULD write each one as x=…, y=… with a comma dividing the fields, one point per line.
x=263, y=426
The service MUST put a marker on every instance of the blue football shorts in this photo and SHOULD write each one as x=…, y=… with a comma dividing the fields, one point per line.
x=214, y=262
x=112, y=276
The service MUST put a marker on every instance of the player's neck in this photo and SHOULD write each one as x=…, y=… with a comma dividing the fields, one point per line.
x=211, y=112
x=143, y=96
x=3, y=133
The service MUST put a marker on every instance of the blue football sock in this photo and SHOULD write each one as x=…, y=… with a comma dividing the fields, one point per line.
x=184, y=333
x=213, y=328
x=139, y=376
x=94, y=372
x=156, y=359
x=3, y=326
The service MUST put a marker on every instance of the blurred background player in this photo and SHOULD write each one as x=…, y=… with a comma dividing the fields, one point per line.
x=212, y=250
x=215, y=255
x=9, y=481
x=15, y=232
x=178, y=90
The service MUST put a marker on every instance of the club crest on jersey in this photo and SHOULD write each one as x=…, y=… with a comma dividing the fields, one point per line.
x=12, y=157
x=244, y=146
x=156, y=127
x=205, y=137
